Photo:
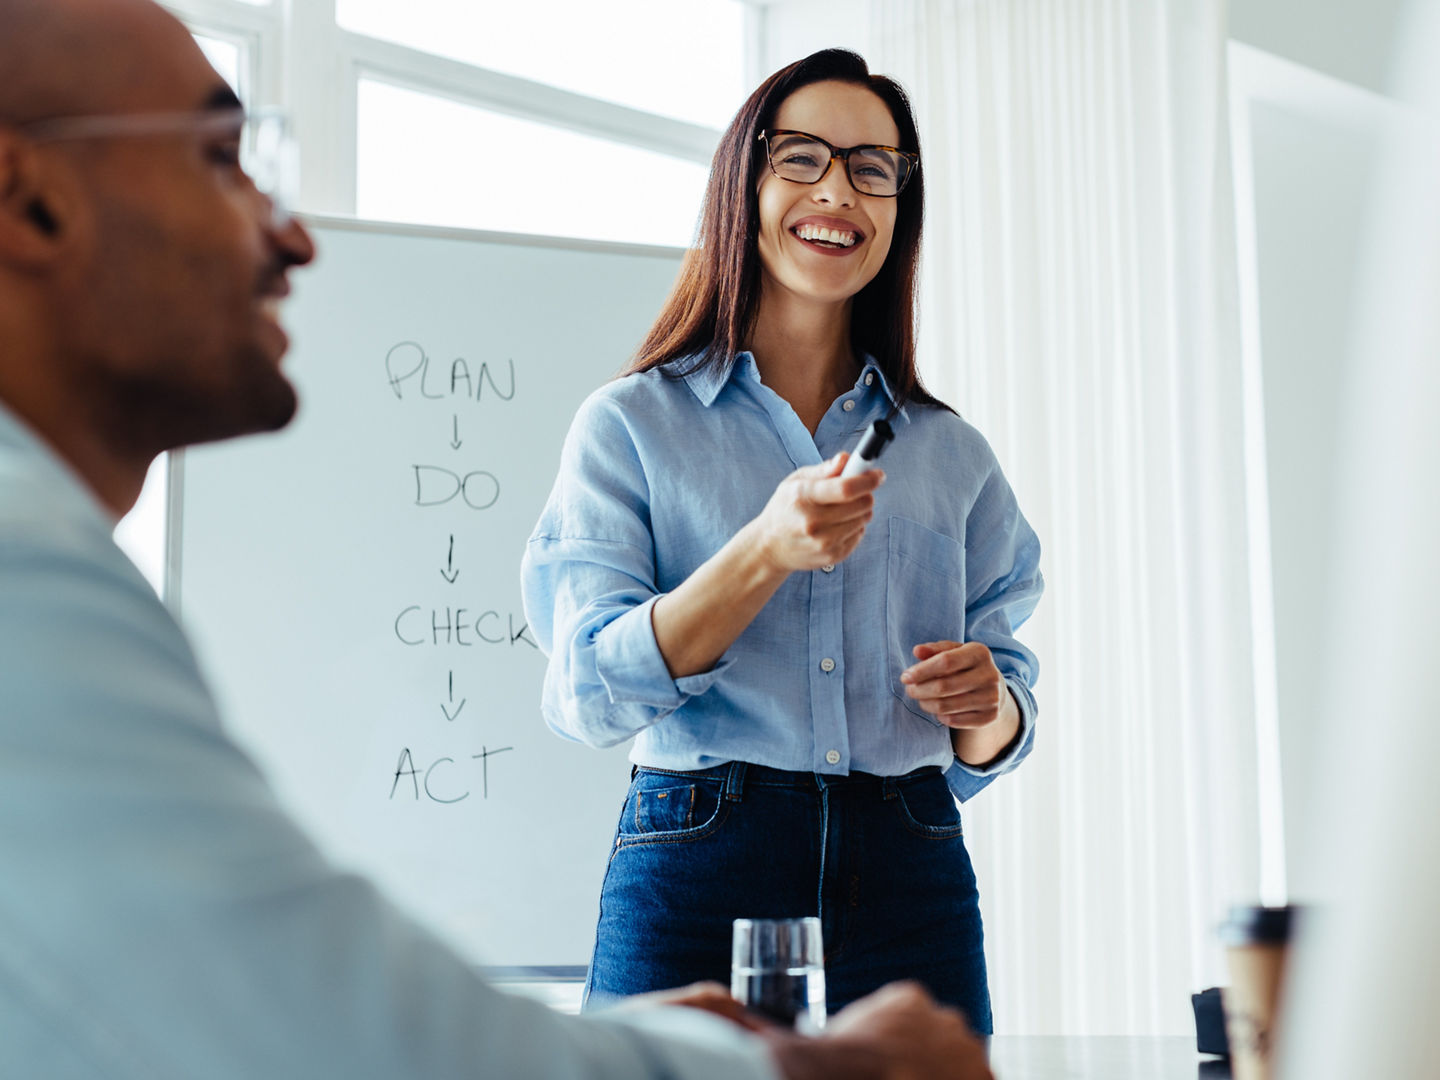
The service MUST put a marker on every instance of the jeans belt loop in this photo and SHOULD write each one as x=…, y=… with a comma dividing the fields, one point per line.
x=889, y=789
x=735, y=782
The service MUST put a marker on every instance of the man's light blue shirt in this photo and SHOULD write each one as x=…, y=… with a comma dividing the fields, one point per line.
x=659, y=471
x=162, y=918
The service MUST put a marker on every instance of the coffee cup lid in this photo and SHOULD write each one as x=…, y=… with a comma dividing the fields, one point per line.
x=1249, y=925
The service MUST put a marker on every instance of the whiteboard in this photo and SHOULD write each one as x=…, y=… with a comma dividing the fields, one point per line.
x=352, y=583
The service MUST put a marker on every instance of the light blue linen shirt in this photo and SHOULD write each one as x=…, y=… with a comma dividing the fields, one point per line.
x=162, y=918
x=659, y=472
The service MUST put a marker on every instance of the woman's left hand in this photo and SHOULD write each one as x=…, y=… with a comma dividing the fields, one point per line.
x=958, y=684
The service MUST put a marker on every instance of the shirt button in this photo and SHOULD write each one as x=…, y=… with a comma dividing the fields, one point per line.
x=849, y=405
x=832, y=756
x=827, y=665
x=869, y=378
x=829, y=568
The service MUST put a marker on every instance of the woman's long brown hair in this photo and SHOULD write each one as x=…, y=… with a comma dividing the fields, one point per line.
x=711, y=311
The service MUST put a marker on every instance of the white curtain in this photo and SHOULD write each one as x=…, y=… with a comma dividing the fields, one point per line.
x=1078, y=305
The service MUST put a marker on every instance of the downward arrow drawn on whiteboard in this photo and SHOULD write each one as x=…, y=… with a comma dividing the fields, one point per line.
x=455, y=438
x=450, y=573
x=443, y=708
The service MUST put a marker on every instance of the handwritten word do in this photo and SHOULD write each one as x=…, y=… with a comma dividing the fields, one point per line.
x=407, y=363
x=454, y=626
x=442, y=790
x=436, y=486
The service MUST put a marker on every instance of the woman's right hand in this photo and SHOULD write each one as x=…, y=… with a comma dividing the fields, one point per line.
x=814, y=518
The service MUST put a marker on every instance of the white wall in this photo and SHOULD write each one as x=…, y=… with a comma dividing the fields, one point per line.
x=1316, y=73
x=1312, y=177
x=1351, y=40
x=792, y=29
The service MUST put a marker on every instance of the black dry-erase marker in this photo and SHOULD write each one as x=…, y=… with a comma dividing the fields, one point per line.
x=867, y=454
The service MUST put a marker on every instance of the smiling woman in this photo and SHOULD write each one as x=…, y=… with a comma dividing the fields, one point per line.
x=813, y=665
x=808, y=207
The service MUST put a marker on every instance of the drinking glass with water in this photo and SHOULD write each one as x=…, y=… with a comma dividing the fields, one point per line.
x=777, y=968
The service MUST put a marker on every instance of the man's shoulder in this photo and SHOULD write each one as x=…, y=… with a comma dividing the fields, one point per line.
x=67, y=586
x=43, y=523
x=29, y=529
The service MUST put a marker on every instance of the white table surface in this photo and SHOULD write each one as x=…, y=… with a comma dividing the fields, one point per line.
x=1102, y=1057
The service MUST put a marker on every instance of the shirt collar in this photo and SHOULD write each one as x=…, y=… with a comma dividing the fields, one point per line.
x=708, y=380
x=871, y=367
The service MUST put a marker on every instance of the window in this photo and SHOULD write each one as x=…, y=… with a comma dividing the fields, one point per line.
x=679, y=58
x=228, y=58
x=424, y=159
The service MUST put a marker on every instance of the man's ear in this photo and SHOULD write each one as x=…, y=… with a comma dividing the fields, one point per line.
x=32, y=218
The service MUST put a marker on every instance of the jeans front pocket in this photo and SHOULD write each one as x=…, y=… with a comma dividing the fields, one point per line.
x=924, y=598
x=666, y=809
x=927, y=808
x=669, y=807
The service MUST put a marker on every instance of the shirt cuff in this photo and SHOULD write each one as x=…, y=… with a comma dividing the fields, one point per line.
x=628, y=661
x=968, y=780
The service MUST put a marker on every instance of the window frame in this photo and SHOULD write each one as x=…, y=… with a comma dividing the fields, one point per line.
x=297, y=55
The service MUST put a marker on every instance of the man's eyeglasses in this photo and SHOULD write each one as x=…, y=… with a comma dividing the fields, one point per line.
x=261, y=142
x=805, y=159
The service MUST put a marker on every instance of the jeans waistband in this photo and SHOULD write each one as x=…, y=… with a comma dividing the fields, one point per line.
x=737, y=775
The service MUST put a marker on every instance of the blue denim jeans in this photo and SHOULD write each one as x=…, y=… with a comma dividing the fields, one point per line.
x=881, y=861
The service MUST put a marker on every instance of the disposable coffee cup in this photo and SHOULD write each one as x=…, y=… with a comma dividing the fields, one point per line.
x=1256, y=940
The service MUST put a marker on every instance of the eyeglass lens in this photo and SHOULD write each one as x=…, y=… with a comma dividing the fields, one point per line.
x=270, y=158
x=873, y=171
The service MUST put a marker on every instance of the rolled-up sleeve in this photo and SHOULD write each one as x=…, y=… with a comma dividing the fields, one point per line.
x=588, y=581
x=1004, y=584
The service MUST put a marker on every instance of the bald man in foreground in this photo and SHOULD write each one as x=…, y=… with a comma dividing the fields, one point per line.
x=160, y=917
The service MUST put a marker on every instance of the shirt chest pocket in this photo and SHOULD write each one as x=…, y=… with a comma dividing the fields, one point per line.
x=924, y=598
